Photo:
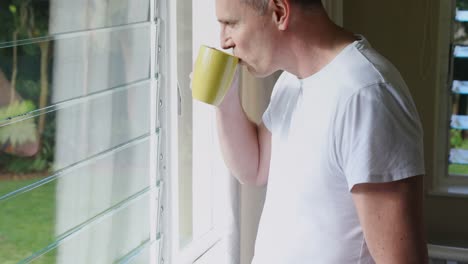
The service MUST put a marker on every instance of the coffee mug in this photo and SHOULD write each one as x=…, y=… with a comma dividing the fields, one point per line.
x=213, y=75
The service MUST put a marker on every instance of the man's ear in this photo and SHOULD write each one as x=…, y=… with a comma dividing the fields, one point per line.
x=281, y=11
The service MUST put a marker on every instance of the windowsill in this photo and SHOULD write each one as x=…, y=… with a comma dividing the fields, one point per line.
x=448, y=253
x=450, y=191
x=199, y=247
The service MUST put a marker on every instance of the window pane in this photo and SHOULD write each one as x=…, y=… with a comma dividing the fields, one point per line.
x=100, y=60
x=146, y=253
x=28, y=20
x=78, y=130
x=184, y=59
x=90, y=244
x=51, y=210
x=458, y=154
x=78, y=179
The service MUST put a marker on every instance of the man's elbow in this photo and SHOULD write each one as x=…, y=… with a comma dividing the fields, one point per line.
x=257, y=180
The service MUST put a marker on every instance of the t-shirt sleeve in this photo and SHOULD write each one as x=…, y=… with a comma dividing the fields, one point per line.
x=379, y=137
x=266, y=118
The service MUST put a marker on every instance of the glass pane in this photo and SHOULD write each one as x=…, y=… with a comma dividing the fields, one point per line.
x=40, y=74
x=28, y=20
x=75, y=131
x=460, y=35
x=146, y=254
x=458, y=153
x=197, y=164
x=106, y=239
x=69, y=199
x=184, y=62
x=77, y=177
x=461, y=25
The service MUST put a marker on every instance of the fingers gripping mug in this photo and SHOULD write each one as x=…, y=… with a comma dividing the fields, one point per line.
x=213, y=75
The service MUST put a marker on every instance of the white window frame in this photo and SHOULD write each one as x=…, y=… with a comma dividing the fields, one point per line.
x=201, y=242
x=443, y=183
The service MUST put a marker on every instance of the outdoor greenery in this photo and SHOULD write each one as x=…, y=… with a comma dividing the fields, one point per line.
x=27, y=68
x=457, y=141
x=462, y=4
x=20, y=132
x=456, y=138
x=458, y=169
x=27, y=222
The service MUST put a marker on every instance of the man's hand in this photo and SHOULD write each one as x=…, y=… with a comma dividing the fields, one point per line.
x=231, y=99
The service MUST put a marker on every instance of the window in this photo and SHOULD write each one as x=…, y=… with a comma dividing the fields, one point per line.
x=103, y=156
x=452, y=176
x=82, y=160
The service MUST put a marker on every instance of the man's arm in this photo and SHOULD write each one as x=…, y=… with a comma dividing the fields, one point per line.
x=391, y=215
x=245, y=145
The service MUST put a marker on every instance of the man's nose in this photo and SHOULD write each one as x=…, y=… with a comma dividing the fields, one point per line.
x=226, y=42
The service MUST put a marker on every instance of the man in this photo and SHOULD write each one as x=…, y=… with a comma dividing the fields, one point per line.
x=340, y=145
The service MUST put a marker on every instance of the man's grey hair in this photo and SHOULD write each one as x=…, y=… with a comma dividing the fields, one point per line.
x=261, y=5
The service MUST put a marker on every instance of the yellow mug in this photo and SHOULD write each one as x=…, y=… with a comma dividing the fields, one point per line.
x=213, y=75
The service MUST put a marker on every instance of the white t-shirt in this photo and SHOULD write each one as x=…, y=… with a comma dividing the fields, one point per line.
x=352, y=122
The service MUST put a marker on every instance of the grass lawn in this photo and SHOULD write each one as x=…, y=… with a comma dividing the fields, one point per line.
x=26, y=222
x=458, y=169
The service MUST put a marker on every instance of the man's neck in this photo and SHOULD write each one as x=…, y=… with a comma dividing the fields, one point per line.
x=313, y=44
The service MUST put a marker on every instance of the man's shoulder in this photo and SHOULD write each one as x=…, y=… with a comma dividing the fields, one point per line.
x=368, y=66
x=365, y=67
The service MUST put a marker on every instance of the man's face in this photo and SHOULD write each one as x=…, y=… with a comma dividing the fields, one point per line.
x=251, y=35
